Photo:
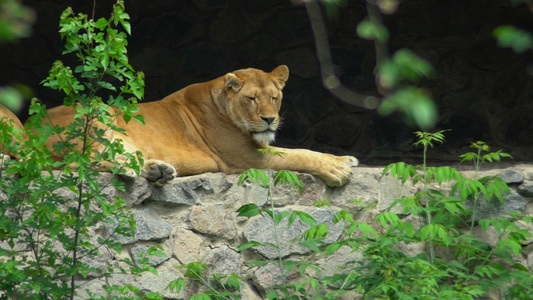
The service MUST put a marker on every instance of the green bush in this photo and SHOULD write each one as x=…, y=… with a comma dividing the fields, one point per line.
x=455, y=265
x=49, y=209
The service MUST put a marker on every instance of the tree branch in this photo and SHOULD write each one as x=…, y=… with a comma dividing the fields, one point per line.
x=329, y=79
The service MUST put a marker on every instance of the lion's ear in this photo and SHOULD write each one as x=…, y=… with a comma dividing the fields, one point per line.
x=232, y=81
x=281, y=73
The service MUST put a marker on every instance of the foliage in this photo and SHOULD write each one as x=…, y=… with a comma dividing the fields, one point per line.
x=515, y=38
x=398, y=76
x=467, y=267
x=395, y=75
x=312, y=238
x=219, y=286
x=464, y=267
x=15, y=20
x=49, y=209
x=15, y=23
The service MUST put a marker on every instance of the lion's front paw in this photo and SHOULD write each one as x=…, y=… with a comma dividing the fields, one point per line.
x=339, y=170
x=158, y=172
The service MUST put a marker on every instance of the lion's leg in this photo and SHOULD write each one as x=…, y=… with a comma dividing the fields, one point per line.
x=157, y=171
x=334, y=170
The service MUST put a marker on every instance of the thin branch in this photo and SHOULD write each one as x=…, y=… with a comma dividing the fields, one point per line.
x=329, y=79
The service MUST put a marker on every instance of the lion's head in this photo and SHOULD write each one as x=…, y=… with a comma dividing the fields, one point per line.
x=254, y=99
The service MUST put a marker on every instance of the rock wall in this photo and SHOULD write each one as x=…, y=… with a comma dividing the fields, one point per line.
x=483, y=92
x=194, y=219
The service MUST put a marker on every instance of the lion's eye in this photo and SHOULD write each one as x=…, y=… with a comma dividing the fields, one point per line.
x=250, y=98
x=274, y=98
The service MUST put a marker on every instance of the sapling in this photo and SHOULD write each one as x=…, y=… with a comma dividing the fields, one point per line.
x=51, y=207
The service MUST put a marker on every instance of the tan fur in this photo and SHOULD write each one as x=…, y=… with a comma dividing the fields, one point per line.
x=5, y=116
x=217, y=126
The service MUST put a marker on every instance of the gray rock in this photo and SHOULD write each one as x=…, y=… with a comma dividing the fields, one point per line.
x=186, y=246
x=390, y=189
x=495, y=209
x=262, y=230
x=526, y=188
x=340, y=262
x=96, y=286
x=213, y=219
x=3, y=196
x=65, y=193
x=158, y=283
x=100, y=262
x=141, y=251
x=510, y=176
x=254, y=193
x=284, y=194
x=188, y=190
x=206, y=227
x=271, y=275
x=363, y=186
x=268, y=276
x=136, y=190
x=222, y=260
x=150, y=227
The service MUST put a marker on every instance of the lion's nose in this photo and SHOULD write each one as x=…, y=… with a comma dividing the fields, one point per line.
x=268, y=120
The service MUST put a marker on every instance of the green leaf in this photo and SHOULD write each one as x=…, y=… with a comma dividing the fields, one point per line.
x=176, y=285
x=248, y=245
x=510, y=244
x=317, y=231
x=367, y=230
x=249, y=210
x=400, y=170
x=303, y=216
x=254, y=175
x=343, y=215
x=332, y=248
x=279, y=217
x=415, y=104
x=312, y=245
x=200, y=297
x=371, y=30
x=517, y=39
x=258, y=263
x=411, y=66
x=269, y=213
x=467, y=156
x=156, y=252
x=11, y=98
x=284, y=176
x=272, y=295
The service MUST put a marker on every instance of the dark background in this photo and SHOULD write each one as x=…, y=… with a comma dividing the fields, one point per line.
x=483, y=92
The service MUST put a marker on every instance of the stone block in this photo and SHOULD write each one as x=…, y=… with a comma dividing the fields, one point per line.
x=150, y=227
x=261, y=229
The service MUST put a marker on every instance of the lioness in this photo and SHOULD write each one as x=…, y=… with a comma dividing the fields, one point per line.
x=217, y=126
